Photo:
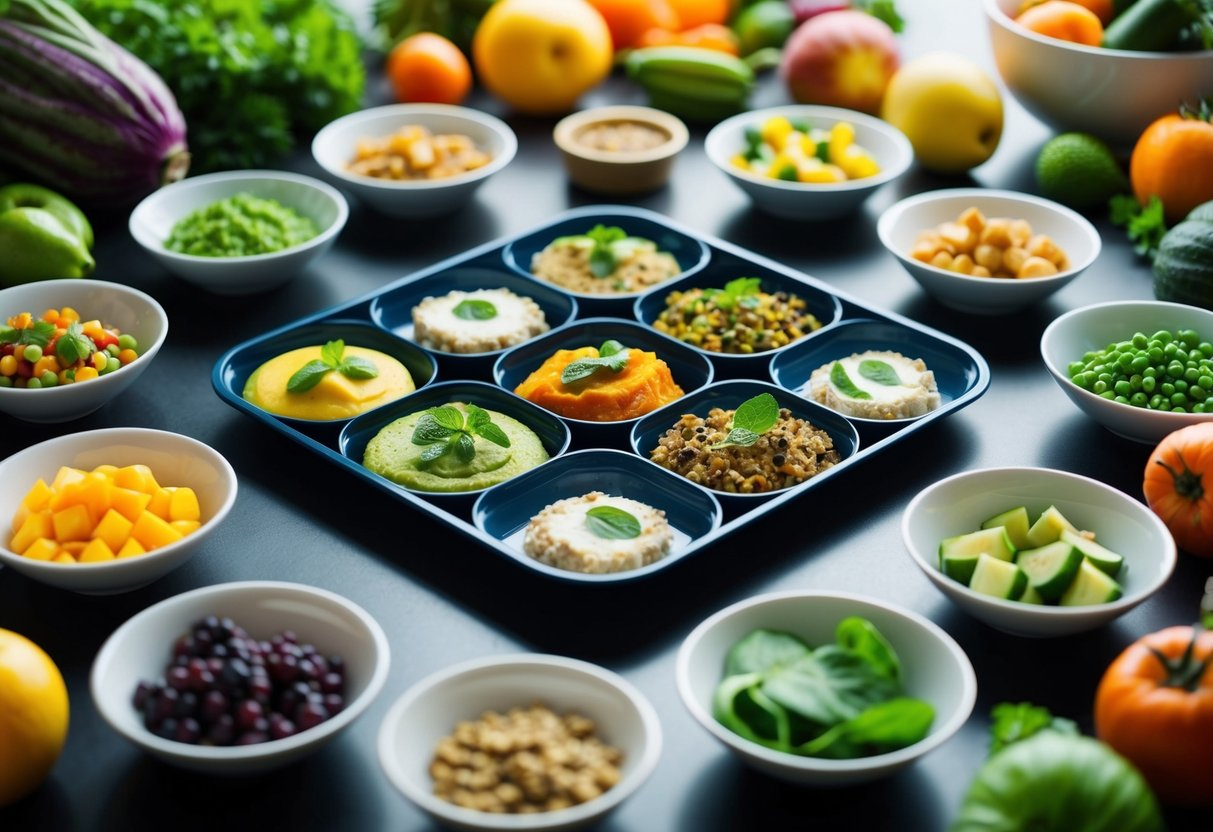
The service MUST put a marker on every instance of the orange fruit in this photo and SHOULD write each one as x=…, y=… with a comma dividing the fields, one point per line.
x=628, y=20
x=1064, y=20
x=1173, y=159
x=1103, y=9
x=429, y=68
x=704, y=36
x=33, y=716
x=693, y=13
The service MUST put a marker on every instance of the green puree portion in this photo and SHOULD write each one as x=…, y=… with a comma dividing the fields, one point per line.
x=238, y=226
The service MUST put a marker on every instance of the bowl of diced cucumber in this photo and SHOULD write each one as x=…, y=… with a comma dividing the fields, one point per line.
x=1035, y=551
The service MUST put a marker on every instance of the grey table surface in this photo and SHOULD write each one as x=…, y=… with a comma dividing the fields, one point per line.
x=443, y=598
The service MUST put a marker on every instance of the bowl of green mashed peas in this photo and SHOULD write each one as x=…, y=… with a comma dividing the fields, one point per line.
x=239, y=232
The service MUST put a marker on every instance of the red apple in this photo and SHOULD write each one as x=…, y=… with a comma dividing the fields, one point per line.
x=804, y=9
x=840, y=58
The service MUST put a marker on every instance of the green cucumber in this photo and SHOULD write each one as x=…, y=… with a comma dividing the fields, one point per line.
x=1051, y=568
x=1015, y=521
x=1090, y=586
x=1099, y=555
x=1047, y=528
x=993, y=542
x=1031, y=596
x=999, y=578
x=959, y=567
x=1150, y=25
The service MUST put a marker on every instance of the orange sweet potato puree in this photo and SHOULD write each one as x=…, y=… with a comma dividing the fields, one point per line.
x=644, y=385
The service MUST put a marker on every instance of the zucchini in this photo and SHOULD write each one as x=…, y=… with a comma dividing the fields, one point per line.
x=1015, y=521
x=1101, y=557
x=1150, y=25
x=993, y=542
x=1051, y=568
x=999, y=578
x=1048, y=527
x=1091, y=586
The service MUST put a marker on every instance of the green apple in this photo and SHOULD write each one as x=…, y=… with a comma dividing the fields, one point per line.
x=37, y=245
x=22, y=195
x=949, y=109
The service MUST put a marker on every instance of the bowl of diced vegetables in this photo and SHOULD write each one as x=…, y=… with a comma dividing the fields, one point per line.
x=1035, y=551
x=825, y=688
x=808, y=162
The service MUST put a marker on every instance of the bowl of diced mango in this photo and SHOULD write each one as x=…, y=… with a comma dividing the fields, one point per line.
x=107, y=511
x=807, y=162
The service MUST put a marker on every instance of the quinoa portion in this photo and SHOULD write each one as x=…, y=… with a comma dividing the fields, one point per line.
x=568, y=265
x=789, y=453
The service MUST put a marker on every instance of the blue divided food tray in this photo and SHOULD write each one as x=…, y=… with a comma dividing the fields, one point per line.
x=496, y=516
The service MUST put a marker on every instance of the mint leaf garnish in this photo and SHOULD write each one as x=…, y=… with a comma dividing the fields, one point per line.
x=474, y=310
x=752, y=419
x=840, y=379
x=612, y=523
x=602, y=255
x=357, y=367
x=307, y=376
x=741, y=290
x=332, y=357
x=445, y=429
x=879, y=372
x=612, y=356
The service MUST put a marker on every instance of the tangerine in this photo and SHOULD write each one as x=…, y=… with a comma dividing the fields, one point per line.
x=426, y=67
x=628, y=20
x=1173, y=160
x=33, y=716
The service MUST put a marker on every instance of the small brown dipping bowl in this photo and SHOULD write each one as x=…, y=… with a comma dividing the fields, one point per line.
x=621, y=149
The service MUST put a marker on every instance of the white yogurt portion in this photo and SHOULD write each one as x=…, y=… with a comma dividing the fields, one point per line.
x=869, y=393
x=495, y=319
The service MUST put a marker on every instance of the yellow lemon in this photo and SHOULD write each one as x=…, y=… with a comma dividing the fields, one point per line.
x=33, y=716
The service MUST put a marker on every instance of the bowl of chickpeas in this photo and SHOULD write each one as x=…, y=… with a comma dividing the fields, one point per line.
x=988, y=252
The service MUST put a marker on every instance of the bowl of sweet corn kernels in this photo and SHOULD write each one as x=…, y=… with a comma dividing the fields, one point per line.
x=988, y=252
x=807, y=162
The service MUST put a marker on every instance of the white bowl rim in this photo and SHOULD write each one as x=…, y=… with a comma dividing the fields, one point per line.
x=574, y=814
x=898, y=166
x=895, y=211
x=1062, y=377
x=1045, y=611
x=103, y=434
x=565, y=130
x=118, y=288
x=509, y=141
x=243, y=753
x=940, y=733
x=997, y=15
x=145, y=239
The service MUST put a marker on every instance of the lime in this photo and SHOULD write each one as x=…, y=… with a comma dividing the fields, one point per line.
x=765, y=24
x=1079, y=170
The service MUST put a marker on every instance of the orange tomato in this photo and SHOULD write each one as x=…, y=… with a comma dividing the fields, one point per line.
x=1173, y=159
x=692, y=13
x=1064, y=20
x=628, y=20
x=705, y=36
x=427, y=67
x=1103, y=9
x=1176, y=489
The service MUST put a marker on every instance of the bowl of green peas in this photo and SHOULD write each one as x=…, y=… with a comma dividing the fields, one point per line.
x=1140, y=368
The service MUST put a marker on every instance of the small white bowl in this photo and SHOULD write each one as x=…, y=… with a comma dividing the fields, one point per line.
x=153, y=219
x=131, y=311
x=1094, y=327
x=959, y=504
x=430, y=709
x=175, y=460
x=333, y=148
x=900, y=224
x=804, y=200
x=1112, y=93
x=934, y=668
x=141, y=648
x=619, y=171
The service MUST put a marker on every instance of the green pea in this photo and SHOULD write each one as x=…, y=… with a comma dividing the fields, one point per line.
x=112, y=364
x=1139, y=363
x=1179, y=408
x=127, y=342
x=33, y=383
x=1205, y=381
x=1121, y=400
x=1139, y=399
x=1149, y=372
x=1181, y=386
x=1170, y=349
x=1155, y=354
x=1148, y=384
x=1125, y=361
x=6, y=381
x=32, y=353
x=1178, y=398
x=1166, y=388
x=1123, y=388
x=1162, y=336
x=1155, y=401
x=113, y=349
x=1100, y=387
x=48, y=378
x=1175, y=369
x=1074, y=368
x=1199, y=407
x=1135, y=381
x=1206, y=349
x=1189, y=337
x=1140, y=340
x=1107, y=394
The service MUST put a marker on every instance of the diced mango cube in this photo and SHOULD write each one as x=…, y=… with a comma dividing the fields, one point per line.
x=185, y=526
x=108, y=470
x=65, y=476
x=19, y=517
x=36, y=525
x=138, y=477
x=128, y=502
x=183, y=503
x=72, y=523
x=114, y=529
x=95, y=493
x=42, y=549
x=63, y=556
x=73, y=547
x=37, y=497
x=96, y=552
x=152, y=531
x=131, y=548
x=162, y=498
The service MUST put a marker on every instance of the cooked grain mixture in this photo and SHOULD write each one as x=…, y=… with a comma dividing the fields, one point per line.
x=789, y=453
x=524, y=761
x=568, y=265
x=756, y=322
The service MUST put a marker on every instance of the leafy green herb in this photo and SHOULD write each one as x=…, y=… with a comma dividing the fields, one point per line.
x=612, y=523
x=446, y=429
x=474, y=309
x=602, y=256
x=754, y=143
x=612, y=356
x=822, y=152
x=880, y=372
x=840, y=379
x=455, y=20
x=885, y=726
x=741, y=291
x=332, y=357
x=861, y=637
x=885, y=10
x=39, y=334
x=73, y=345
x=1012, y=722
x=751, y=420
x=1145, y=225
x=762, y=650
x=788, y=173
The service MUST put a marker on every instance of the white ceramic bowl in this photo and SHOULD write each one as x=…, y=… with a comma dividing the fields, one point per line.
x=175, y=460
x=130, y=310
x=333, y=148
x=934, y=668
x=141, y=648
x=153, y=219
x=619, y=171
x=900, y=224
x=1112, y=93
x=802, y=200
x=430, y=709
x=959, y=504
x=1094, y=327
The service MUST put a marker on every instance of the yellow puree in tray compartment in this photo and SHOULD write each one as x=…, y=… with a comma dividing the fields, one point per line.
x=336, y=396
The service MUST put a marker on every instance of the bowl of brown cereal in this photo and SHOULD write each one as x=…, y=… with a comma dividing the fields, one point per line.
x=521, y=741
x=988, y=252
x=414, y=160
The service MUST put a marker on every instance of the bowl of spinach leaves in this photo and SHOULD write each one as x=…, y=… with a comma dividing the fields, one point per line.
x=825, y=688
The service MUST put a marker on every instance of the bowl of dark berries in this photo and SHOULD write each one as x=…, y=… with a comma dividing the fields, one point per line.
x=242, y=677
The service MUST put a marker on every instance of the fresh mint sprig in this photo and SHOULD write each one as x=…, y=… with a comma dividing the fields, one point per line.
x=612, y=523
x=332, y=357
x=840, y=379
x=612, y=356
x=474, y=309
x=446, y=430
x=602, y=256
x=39, y=334
x=741, y=291
x=751, y=420
x=880, y=372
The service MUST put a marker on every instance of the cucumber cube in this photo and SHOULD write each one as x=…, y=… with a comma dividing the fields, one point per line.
x=1048, y=527
x=1101, y=557
x=1031, y=596
x=1051, y=568
x=1091, y=586
x=993, y=542
x=1015, y=521
x=999, y=578
x=960, y=567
